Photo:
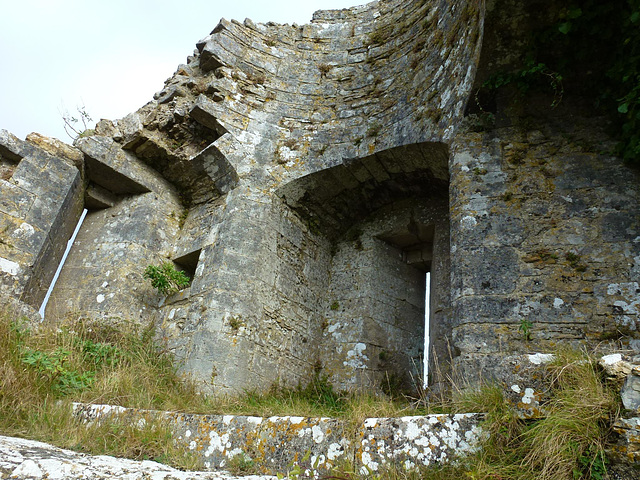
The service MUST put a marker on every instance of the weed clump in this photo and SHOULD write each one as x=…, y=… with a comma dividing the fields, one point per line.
x=166, y=278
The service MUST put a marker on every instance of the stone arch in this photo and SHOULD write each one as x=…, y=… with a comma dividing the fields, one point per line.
x=386, y=217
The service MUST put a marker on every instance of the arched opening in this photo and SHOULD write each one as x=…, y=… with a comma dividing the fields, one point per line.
x=387, y=218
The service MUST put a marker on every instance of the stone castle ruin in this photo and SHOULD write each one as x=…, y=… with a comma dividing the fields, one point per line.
x=307, y=178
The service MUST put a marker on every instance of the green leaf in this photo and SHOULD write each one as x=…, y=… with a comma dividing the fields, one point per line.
x=635, y=16
x=565, y=27
x=623, y=108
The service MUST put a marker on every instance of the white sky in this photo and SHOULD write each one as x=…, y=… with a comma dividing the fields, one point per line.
x=109, y=55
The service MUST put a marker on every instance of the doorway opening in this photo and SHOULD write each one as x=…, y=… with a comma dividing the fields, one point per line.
x=416, y=244
x=427, y=339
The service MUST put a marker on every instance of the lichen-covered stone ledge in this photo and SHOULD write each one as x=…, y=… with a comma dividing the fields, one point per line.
x=20, y=458
x=315, y=444
x=417, y=440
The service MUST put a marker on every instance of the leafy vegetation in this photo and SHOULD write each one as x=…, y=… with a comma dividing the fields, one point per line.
x=166, y=278
x=525, y=328
x=528, y=76
x=608, y=33
x=590, y=49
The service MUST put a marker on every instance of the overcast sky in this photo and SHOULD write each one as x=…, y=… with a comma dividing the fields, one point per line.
x=109, y=56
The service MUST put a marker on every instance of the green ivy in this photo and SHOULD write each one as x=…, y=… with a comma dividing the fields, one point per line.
x=593, y=33
x=525, y=78
x=591, y=49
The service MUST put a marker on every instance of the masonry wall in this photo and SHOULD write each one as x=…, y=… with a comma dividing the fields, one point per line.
x=307, y=177
x=374, y=333
x=545, y=230
x=286, y=102
x=252, y=318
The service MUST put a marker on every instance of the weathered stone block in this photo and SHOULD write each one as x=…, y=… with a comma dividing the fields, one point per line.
x=207, y=113
x=412, y=441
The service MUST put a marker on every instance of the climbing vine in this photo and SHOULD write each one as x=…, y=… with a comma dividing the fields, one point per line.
x=589, y=48
x=608, y=33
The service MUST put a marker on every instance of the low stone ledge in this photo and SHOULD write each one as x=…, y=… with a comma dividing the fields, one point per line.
x=627, y=446
x=316, y=444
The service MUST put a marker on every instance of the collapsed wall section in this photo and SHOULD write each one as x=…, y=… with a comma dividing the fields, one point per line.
x=41, y=191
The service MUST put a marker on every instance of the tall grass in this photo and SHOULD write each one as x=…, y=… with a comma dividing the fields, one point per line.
x=567, y=443
x=44, y=368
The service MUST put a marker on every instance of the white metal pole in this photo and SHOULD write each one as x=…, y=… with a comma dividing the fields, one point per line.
x=64, y=258
x=427, y=299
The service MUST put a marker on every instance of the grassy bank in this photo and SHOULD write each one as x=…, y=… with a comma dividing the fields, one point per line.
x=44, y=368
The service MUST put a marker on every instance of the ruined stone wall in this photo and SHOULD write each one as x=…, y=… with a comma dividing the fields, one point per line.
x=41, y=191
x=285, y=102
x=132, y=222
x=545, y=229
x=252, y=316
x=307, y=177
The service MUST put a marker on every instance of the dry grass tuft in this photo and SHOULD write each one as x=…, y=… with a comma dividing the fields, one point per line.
x=43, y=368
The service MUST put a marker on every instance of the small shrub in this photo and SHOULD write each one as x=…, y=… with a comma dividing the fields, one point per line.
x=77, y=127
x=324, y=69
x=242, y=464
x=291, y=144
x=525, y=328
x=236, y=323
x=257, y=78
x=166, y=278
x=507, y=196
x=381, y=34
x=183, y=218
x=574, y=261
